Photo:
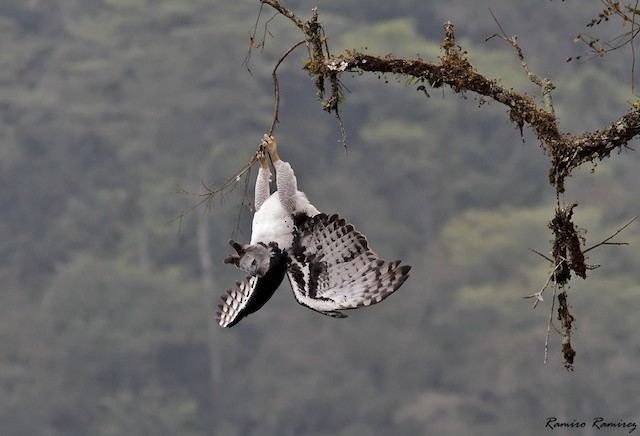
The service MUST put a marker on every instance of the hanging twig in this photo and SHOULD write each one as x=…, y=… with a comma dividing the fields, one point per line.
x=207, y=196
x=276, y=86
x=538, y=295
x=566, y=322
x=549, y=324
x=245, y=195
x=253, y=41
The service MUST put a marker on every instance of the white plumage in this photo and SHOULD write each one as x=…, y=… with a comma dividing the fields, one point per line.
x=328, y=262
x=272, y=223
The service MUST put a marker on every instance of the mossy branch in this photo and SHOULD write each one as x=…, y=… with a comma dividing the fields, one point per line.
x=452, y=69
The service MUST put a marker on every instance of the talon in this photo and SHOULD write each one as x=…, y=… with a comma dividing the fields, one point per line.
x=269, y=142
x=236, y=245
x=262, y=158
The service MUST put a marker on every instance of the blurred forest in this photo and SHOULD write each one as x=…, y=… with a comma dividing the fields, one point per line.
x=110, y=108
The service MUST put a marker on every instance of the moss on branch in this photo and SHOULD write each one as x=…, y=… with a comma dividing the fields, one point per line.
x=453, y=69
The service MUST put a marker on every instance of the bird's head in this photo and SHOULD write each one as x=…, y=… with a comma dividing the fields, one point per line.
x=255, y=259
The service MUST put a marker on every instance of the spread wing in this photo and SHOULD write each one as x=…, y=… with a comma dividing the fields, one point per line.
x=332, y=267
x=250, y=294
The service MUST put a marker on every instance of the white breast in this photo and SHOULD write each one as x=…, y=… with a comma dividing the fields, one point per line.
x=272, y=224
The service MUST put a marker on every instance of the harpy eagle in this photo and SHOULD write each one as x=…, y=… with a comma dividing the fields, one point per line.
x=328, y=262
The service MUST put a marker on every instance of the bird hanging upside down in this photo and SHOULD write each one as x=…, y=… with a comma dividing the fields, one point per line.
x=328, y=262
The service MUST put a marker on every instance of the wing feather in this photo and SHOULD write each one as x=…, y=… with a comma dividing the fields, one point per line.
x=332, y=267
x=250, y=294
x=234, y=304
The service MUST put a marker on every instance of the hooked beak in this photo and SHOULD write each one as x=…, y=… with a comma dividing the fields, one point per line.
x=253, y=270
x=235, y=257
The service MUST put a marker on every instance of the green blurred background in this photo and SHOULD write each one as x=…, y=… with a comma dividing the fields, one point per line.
x=110, y=108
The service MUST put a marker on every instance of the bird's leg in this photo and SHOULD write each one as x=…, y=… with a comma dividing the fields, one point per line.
x=262, y=191
x=262, y=158
x=286, y=182
x=269, y=142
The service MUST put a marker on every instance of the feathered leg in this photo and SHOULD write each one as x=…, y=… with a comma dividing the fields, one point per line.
x=262, y=191
x=286, y=182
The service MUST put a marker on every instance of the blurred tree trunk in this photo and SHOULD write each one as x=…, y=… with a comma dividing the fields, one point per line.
x=206, y=263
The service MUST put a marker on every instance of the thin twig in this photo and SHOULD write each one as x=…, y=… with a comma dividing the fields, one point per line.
x=545, y=84
x=549, y=324
x=538, y=295
x=253, y=43
x=210, y=193
x=286, y=12
x=542, y=255
x=343, y=130
x=606, y=241
x=236, y=230
x=252, y=40
x=276, y=86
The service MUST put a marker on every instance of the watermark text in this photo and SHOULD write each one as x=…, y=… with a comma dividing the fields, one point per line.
x=598, y=423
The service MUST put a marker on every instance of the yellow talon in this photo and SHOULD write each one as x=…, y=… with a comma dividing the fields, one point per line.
x=262, y=158
x=269, y=142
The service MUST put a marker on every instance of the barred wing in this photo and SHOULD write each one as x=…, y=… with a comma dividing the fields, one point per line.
x=332, y=268
x=250, y=294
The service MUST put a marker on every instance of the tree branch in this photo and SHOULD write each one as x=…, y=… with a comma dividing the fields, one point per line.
x=453, y=69
x=275, y=4
x=590, y=146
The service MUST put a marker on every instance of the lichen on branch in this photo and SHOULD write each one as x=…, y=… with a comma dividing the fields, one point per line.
x=452, y=69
